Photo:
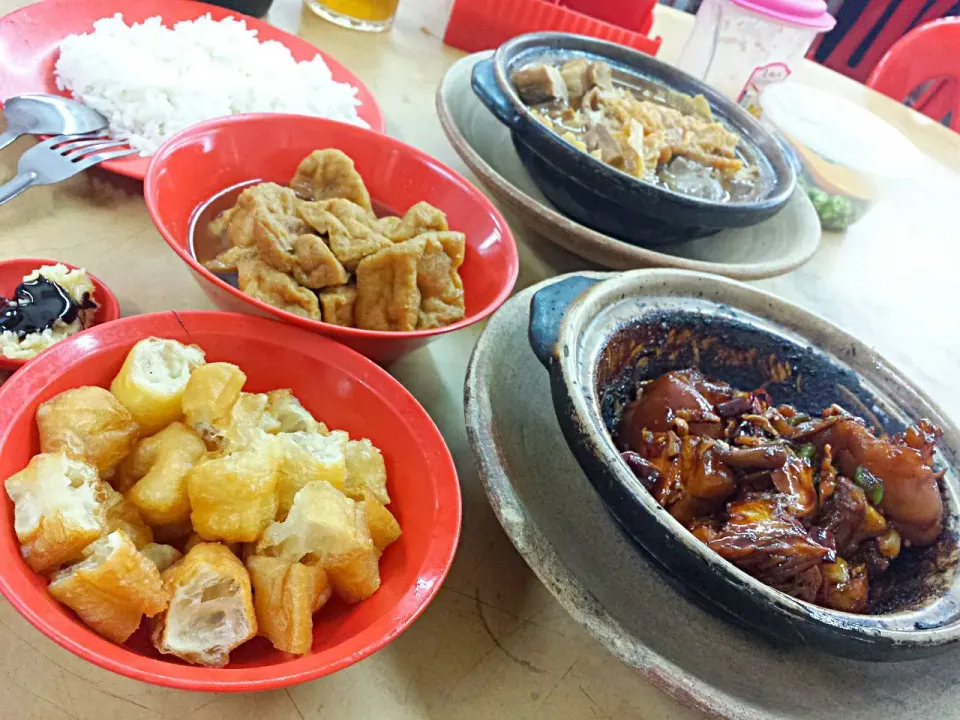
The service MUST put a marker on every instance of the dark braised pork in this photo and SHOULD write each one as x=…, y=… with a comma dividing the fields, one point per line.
x=811, y=506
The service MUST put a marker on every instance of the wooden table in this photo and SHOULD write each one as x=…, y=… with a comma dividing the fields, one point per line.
x=494, y=644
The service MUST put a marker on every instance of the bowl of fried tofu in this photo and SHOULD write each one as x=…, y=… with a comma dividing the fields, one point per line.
x=331, y=227
x=219, y=502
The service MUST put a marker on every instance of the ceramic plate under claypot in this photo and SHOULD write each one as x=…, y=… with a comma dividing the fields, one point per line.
x=590, y=336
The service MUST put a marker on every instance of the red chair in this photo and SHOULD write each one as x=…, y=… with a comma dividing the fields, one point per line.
x=927, y=59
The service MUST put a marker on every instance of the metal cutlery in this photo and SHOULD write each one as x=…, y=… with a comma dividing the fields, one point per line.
x=59, y=158
x=40, y=114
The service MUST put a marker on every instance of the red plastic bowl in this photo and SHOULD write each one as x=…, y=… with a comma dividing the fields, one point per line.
x=12, y=273
x=340, y=387
x=205, y=159
x=30, y=40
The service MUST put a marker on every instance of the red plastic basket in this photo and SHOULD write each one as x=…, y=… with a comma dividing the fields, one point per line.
x=485, y=24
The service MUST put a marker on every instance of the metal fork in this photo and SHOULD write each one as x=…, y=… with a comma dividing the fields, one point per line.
x=59, y=158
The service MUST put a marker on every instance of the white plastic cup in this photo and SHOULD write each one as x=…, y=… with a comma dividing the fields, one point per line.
x=739, y=47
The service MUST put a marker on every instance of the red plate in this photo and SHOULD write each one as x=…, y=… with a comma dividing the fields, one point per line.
x=338, y=386
x=30, y=39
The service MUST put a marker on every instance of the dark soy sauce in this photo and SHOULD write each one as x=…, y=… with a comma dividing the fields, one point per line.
x=37, y=305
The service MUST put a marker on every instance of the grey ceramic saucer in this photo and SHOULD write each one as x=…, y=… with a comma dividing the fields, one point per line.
x=770, y=248
x=559, y=524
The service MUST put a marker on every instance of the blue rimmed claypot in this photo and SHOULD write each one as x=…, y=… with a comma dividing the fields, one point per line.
x=602, y=197
x=590, y=334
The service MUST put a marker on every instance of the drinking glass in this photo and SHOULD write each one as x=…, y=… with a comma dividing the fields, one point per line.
x=366, y=15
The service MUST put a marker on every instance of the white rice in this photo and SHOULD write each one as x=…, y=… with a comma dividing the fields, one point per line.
x=75, y=282
x=151, y=81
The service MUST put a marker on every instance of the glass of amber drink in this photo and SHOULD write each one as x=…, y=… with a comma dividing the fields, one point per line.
x=367, y=15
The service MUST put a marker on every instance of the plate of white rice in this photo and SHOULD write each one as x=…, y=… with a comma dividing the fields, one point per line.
x=156, y=67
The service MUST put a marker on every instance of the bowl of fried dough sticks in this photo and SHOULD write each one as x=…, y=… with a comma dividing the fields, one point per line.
x=337, y=229
x=219, y=502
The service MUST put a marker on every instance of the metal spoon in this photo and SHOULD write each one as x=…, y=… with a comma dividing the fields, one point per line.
x=38, y=114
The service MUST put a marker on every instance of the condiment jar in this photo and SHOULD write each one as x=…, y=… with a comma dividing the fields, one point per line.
x=740, y=47
x=849, y=158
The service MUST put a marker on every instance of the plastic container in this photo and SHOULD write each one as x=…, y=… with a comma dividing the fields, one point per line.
x=848, y=156
x=741, y=47
x=474, y=25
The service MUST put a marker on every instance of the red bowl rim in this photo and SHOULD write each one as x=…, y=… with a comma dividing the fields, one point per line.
x=108, y=312
x=126, y=662
x=175, y=142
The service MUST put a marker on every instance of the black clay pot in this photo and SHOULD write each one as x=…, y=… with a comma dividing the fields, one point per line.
x=600, y=196
x=598, y=339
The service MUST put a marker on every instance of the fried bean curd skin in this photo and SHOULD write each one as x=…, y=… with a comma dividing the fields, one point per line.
x=285, y=596
x=211, y=607
x=269, y=285
x=237, y=224
x=161, y=493
x=347, y=228
x=58, y=509
x=422, y=217
x=229, y=260
x=329, y=174
x=152, y=381
x=439, y=283
x=112, y=588
x=338, y=305
x=387, y=293
x=90, y=424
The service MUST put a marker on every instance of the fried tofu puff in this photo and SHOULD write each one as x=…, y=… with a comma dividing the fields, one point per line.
x=58, y=509
x=285, y=595
x=331, y=530
x=211, y=607
x=160, y=494
x=306, y=457
x=112, y=588
x=366, y=472
x=210, y=394
x=233, y=497
x=90, y=424
x=153, y=379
